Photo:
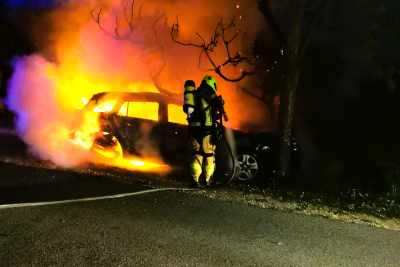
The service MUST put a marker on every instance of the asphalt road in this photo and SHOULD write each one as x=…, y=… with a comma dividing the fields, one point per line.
x=167, y=228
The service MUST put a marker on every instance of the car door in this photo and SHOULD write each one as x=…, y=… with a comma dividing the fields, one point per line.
x=175, y=136
x=138, y=126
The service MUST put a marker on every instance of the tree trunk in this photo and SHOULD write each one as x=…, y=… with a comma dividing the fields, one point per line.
x=288, y=91
x=263, y=6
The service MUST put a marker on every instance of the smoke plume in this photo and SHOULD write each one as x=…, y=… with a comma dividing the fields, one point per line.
x=77, y=59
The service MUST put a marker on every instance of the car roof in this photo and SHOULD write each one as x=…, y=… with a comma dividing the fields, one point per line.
x=137, y=97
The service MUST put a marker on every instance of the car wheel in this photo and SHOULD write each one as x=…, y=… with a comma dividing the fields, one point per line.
x=107, y=147
x=247, y=166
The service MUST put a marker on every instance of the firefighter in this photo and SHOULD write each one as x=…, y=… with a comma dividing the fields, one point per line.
x=203, y=108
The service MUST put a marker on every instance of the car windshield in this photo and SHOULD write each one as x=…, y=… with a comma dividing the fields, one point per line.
x=106, y=106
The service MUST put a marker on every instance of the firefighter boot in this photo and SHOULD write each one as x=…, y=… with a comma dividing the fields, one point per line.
x=194, y=182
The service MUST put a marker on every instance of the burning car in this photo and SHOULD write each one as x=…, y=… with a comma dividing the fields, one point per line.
x=151, y=125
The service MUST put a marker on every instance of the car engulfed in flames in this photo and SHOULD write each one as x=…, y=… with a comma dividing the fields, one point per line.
x=148, y=131
x=123, y=129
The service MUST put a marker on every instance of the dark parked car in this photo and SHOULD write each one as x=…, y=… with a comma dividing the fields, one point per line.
x=146, y=124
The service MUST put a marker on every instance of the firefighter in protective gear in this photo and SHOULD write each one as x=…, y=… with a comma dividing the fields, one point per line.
x=202, y=106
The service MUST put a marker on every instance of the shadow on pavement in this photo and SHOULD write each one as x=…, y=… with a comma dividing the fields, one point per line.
x=23, y=184
x=10, y=144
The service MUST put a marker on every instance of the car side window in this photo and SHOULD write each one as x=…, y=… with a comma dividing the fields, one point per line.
x=140, y=110
x=176, y=114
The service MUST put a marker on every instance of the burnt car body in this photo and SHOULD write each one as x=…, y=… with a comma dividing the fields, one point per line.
x=147, y=123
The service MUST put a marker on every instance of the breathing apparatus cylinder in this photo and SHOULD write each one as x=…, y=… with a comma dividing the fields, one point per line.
x=189, y=96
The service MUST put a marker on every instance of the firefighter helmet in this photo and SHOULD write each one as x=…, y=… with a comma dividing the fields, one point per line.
x=208, y=79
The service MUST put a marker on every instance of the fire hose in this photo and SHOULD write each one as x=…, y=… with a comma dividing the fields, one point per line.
x=224, y=117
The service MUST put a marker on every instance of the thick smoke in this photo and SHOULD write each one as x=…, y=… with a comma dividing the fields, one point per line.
x=77, y=59
x=39, y=119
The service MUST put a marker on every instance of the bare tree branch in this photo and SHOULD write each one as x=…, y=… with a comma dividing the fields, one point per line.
x=244, y=74
x=155, y=76
x=116, y=26
x=263, y=6
x=206, y=48
x=175, y=31
x=268, y=92
x=124, y=7
x=127, y=8
x=97, y=20
x=128, y=14
x=156, y=19
x=248, y=92
x=201, y=53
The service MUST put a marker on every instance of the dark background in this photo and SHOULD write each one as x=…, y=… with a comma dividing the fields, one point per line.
x=348, y=101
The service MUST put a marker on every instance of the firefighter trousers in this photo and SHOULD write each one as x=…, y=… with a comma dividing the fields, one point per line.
x=202, y=150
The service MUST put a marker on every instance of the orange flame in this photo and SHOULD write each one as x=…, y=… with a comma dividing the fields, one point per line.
x=113, y=156
x=85, y=61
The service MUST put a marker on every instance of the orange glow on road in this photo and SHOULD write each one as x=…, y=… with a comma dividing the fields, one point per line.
x=113, y=156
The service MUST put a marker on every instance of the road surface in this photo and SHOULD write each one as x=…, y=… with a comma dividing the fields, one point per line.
x=168, y=228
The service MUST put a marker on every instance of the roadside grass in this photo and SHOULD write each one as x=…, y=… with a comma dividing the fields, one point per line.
x=348, y=204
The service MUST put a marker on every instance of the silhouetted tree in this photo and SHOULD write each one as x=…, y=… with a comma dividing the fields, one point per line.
x=295, y=46
x=133, y=22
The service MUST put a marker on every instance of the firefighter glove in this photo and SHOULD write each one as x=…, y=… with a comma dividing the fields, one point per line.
x=217, y=102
